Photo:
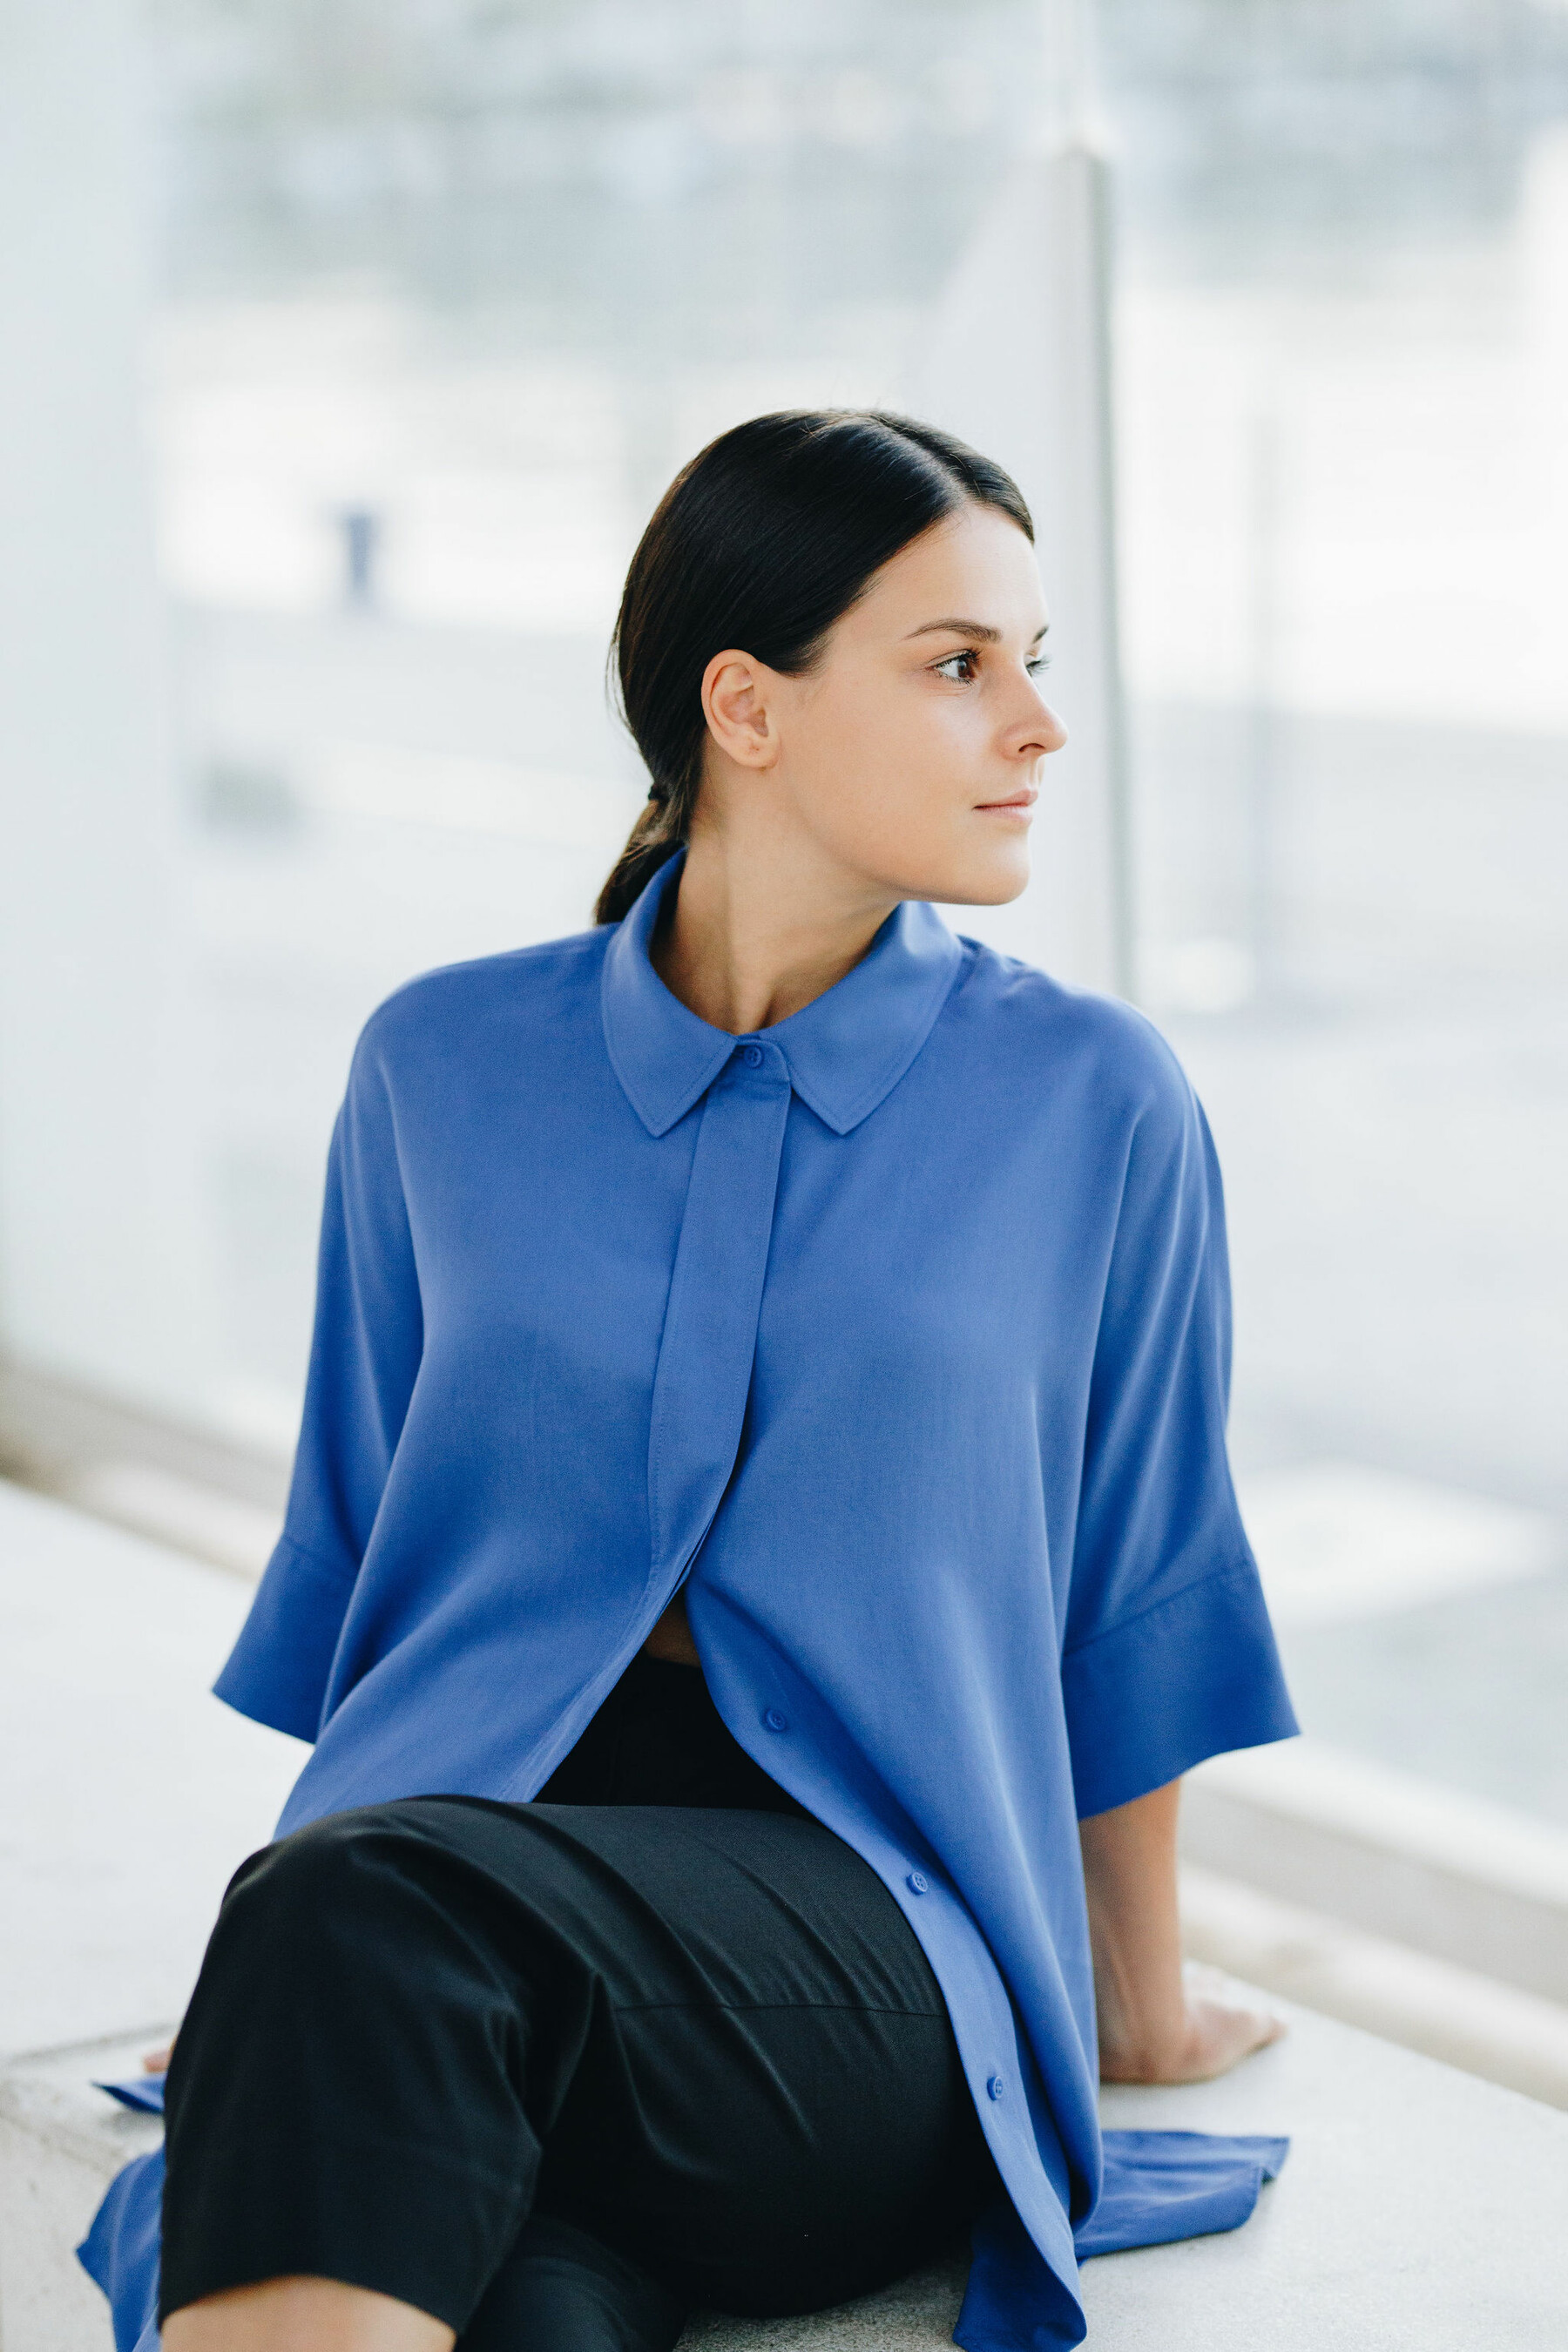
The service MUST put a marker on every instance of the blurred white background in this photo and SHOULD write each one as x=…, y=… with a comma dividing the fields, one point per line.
x=349, y=343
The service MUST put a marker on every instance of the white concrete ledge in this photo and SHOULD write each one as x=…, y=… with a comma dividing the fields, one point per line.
x=1420, y=2210
x=61, y=2142
x=1493, y=2029
x=1450, y=1874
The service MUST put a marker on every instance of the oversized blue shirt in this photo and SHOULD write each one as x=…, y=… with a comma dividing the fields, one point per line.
x=899, y=1333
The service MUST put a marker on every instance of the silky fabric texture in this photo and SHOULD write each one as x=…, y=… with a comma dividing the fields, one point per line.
x=899, y=1332
x=703, y=2038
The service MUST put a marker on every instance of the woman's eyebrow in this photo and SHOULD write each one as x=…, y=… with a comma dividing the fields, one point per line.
x=962, y=628
x=981, y=629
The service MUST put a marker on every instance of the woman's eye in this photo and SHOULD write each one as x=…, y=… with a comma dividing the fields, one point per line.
x=959, y=667
x=1038, y=663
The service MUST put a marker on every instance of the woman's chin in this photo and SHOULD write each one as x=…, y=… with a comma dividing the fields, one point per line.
x=993, y=881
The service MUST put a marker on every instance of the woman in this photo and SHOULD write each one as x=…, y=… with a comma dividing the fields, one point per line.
x=764, y=1467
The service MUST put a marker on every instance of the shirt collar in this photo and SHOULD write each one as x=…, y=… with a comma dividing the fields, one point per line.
x=846, y=1050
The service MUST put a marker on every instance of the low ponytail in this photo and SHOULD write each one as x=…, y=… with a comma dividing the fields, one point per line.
x=762, y=543
x=651, y=843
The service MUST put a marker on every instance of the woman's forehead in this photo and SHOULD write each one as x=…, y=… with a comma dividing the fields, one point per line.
x=974, y=568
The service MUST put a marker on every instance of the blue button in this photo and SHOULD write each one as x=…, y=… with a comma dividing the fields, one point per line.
x=995, y=2087
x=775, y=1721
x=919, y=1883
x=752, y=1057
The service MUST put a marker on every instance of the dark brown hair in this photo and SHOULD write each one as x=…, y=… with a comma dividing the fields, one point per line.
x=762, y=543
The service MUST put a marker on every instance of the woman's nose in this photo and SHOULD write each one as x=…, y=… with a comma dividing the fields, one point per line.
x=1042, y=730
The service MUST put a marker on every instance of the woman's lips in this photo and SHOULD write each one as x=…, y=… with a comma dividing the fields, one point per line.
x=1016, y=804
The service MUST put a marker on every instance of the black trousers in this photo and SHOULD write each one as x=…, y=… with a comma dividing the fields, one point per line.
x=559, y=2074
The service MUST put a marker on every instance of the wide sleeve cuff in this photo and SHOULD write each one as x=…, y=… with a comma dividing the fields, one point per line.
x=1191, y=1676
x=276, y=1671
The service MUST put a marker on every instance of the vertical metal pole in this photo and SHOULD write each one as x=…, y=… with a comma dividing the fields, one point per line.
x=1018, y=362
x=1087, y=901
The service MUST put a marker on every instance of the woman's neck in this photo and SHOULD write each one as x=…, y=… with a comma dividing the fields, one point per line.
x=754, y=937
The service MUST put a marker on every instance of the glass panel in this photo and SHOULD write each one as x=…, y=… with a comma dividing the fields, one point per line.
x=447, y=294
x=1342, y=341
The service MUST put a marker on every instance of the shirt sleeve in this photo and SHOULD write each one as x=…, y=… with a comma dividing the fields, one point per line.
x=1169, y=1656
x=364, y=1356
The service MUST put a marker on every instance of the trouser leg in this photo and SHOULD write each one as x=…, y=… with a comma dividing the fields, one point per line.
x=707, y=2038
x=378, y=2043
x=561, y=2290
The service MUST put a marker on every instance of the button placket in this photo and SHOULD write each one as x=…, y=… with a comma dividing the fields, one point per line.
x=704, y=1371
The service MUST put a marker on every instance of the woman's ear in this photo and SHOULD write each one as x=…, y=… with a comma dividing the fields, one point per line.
x=736, y=705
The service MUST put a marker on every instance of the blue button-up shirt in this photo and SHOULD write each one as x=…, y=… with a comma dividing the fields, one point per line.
x=898, y=1335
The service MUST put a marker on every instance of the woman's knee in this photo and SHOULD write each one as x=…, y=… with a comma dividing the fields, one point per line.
x=338, y=1885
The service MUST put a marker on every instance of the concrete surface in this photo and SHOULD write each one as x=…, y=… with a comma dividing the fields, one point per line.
x=131, y=1795
x=1420, y=2210
x=61, y=2142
